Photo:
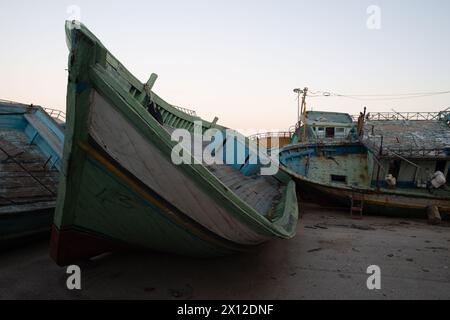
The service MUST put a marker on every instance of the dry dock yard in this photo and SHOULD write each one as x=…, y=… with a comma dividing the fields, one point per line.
x=328, y=259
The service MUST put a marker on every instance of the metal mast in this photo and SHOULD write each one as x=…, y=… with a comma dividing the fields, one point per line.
x=301, y=109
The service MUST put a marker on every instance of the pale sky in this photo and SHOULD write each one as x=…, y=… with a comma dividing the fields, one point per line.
x=240, y=60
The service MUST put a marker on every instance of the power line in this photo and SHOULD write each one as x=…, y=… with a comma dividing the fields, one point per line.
x=398, y=94
x=378, y=97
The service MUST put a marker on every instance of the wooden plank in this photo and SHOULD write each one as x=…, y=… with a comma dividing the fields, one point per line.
x=23, y=173
x=26, y=207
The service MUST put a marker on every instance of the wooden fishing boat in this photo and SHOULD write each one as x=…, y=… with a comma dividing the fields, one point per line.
x=382, y=164
x=120, y=188
x=30, y=153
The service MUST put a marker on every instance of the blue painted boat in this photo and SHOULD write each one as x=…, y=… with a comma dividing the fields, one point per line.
x=31, y=144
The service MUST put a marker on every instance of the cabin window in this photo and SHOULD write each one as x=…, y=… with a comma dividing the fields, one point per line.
x=340, y=131
x=394, y=168
x=338, y=178
x=329, y=132
x=320, y=131
x=440, y=166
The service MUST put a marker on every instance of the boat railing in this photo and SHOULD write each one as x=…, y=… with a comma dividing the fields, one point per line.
x=408, y=116
x=271, y=135
x=56, y=114
x=416, y=152
x=187, y=111
x=374, y=143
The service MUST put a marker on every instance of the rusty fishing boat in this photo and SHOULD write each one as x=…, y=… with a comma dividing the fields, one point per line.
x=385, y=163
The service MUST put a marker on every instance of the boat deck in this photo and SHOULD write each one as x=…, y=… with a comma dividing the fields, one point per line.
x=25, y=180
x=260, y=192
x=263, y=193
x=410, y=138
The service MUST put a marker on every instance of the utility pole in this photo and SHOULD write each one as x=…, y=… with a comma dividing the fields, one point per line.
x=305, y=93
x=298, y=92
x=301, y=109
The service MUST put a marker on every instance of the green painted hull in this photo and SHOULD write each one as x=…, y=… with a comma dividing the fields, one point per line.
x=111, y=198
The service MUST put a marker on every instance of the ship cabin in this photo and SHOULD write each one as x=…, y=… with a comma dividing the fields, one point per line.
x=324, y=127
x=411, y=147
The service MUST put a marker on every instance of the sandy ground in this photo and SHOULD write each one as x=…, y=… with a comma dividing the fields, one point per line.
x=328, y=259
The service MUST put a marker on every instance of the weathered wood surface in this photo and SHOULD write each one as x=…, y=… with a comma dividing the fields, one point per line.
x=434, y=216
x=24, y=176
x=46, y=133
x=127, y=146
x=259, y=192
